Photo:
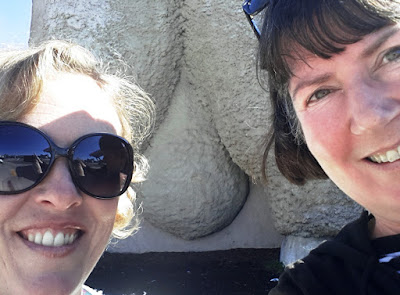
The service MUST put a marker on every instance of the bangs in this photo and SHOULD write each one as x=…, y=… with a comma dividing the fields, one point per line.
x=321, y=27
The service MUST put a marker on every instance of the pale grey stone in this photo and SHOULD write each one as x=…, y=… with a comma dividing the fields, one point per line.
x=220, y=50
x=193, y=189
x=316, y=209
x=145, y=38
x=252, y=228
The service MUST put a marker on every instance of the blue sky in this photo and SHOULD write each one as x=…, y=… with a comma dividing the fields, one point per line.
x=15, y=21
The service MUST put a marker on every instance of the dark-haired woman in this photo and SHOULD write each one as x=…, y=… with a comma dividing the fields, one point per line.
x=334, y=78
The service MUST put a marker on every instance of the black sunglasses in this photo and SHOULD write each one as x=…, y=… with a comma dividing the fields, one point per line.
x=101, y=164
x=252, y=9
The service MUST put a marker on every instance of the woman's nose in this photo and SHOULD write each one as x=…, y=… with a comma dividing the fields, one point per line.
x=57, y=191
x=372, y=106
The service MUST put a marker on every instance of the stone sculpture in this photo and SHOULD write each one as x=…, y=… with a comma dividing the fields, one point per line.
x=197, y=61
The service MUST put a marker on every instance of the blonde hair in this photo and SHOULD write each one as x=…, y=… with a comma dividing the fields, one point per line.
x=22, y=73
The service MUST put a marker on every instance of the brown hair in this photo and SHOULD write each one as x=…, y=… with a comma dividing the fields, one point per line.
x=323, y=28
x=22, y=73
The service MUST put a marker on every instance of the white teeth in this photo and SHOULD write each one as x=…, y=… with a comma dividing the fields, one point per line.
x=383, y=158
x=389, y=156
x=66, y=239
x=38, y=239
x=48, y=239
x=59, y=240
x=392, y=156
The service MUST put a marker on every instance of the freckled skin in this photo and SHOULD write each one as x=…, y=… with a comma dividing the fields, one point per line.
x=70, y=106
x=351, y=113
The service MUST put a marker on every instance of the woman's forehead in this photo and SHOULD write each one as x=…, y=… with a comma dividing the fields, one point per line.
x=74, y=99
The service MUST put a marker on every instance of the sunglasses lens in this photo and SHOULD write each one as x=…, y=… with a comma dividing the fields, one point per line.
x=24, y=158
x=102, y=165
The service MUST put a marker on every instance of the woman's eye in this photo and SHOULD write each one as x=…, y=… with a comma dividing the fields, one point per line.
x=392, y=55
x=317, y=95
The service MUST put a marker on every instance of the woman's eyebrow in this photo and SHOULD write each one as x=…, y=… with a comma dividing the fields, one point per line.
x=313, y=81
x=369, y=50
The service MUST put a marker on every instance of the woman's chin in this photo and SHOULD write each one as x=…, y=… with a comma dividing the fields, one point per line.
x=54, y=284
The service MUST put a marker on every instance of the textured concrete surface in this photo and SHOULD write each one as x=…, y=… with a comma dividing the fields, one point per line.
x=317, y=209
x=145, y=39
x=220, y=65
x=193, y=188
x=252, y=228
x=197, y=61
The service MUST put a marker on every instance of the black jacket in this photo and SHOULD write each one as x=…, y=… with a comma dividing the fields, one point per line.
x=346, y=265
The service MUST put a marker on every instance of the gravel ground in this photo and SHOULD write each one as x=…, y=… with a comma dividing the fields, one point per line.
x=231, y=272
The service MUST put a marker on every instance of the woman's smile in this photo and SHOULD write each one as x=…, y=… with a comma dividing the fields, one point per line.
x=386, y=156
x=51, y=237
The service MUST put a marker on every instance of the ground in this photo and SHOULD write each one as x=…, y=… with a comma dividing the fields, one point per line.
x=232, y=272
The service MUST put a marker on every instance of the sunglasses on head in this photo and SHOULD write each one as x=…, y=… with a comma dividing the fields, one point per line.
x=253, y=10
x=100, y=164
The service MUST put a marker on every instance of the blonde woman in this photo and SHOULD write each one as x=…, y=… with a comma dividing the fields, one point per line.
x=59, y=110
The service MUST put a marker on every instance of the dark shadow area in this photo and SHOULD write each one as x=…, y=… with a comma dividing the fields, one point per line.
x=231, y=272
